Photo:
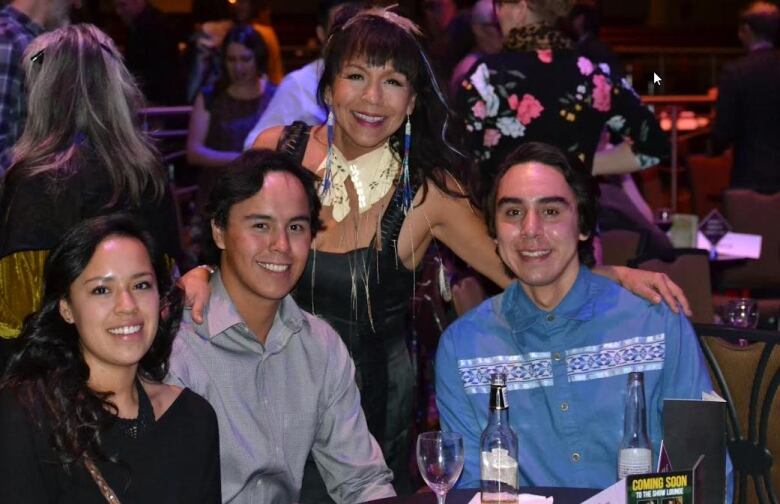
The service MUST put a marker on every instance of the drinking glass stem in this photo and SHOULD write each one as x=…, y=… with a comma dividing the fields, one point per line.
x=440, y=497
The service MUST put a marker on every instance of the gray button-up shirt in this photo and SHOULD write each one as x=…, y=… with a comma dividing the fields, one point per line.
x=279, y=401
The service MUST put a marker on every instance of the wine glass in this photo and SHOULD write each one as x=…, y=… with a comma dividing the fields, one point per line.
x=440, y=459
x=742, y=313
x=663, y=219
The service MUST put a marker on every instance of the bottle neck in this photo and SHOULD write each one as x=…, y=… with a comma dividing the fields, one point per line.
x=635, y=420
x=498, y=416
x=498, y=397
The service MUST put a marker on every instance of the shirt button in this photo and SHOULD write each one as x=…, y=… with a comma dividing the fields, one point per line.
x=575, y=457
x=564, y=406
x=550, y=317
x=557, y=356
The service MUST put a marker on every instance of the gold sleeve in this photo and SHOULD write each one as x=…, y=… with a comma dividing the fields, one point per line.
x=21, y=288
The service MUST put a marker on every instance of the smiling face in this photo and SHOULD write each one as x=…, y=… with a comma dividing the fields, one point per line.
x=115, y=304
x=265, y=243
x=537, y=231
x=241, y=64
x=370, y=104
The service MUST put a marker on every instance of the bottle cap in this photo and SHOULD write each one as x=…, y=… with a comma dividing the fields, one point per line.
x=636, y=376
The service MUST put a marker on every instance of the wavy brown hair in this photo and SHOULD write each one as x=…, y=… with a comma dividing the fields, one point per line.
x=81, y=96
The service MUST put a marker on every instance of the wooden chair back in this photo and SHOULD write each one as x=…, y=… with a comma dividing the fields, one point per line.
x=748, y=378
x=750, y=212
x=709, y=176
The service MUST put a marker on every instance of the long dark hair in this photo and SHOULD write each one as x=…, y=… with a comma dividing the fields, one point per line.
x=49, y=375
x=382, y=37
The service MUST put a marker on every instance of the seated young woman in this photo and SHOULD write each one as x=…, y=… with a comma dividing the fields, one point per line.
x=84, y=415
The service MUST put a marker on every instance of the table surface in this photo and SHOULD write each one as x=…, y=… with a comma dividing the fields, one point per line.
x=463, y=496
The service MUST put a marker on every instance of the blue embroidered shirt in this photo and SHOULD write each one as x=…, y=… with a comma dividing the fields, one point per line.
x=566, y=376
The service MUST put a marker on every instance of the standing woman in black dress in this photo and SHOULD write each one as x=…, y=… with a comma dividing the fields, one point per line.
x=84, y=415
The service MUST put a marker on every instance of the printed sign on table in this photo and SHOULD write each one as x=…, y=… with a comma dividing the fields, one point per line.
x=661, y=488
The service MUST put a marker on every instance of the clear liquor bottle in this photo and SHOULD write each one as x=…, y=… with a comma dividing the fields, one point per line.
x=635, y=456
x=498, y=446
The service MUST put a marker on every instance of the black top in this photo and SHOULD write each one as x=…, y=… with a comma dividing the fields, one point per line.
x=231, y=119
x=35, y=212
x=364, y=294
x=176, y=459
x=748, y=116
x=370, y=317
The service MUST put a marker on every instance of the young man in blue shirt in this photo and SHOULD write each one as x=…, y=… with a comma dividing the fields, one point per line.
x=565, y=338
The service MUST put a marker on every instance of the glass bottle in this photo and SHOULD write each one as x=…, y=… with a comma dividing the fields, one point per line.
x=636, y=456
x=498, y=447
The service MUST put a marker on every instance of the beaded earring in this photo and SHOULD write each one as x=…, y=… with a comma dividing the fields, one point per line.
x=326, y=180
x=405, y=180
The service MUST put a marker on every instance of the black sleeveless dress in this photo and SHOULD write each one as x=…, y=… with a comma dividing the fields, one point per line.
x=371, y=317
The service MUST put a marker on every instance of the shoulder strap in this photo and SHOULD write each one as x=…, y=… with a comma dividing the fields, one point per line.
x=105, y=490
x=293, y=140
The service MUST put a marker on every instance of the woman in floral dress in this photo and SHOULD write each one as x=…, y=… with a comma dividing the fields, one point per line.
x=541, y=89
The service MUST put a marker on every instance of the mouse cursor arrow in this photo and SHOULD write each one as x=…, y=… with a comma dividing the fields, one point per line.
x=656, y=79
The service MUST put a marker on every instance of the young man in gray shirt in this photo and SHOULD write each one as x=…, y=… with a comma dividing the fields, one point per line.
x=280, y=379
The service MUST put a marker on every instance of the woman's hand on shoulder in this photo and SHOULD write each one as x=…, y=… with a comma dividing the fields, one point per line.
x=650, y=285
x=196, y=291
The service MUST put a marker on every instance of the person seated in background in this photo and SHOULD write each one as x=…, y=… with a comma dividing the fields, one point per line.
x=296, y=97
x=205, y=65
x=487, y=40
x=281, y=380
x=566, y=338
x=257, y=14
x=224, y=113
x=84, y=416
x=748, y=107
x=82, y=154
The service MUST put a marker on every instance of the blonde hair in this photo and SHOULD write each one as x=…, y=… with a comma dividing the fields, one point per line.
x=81, y=95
